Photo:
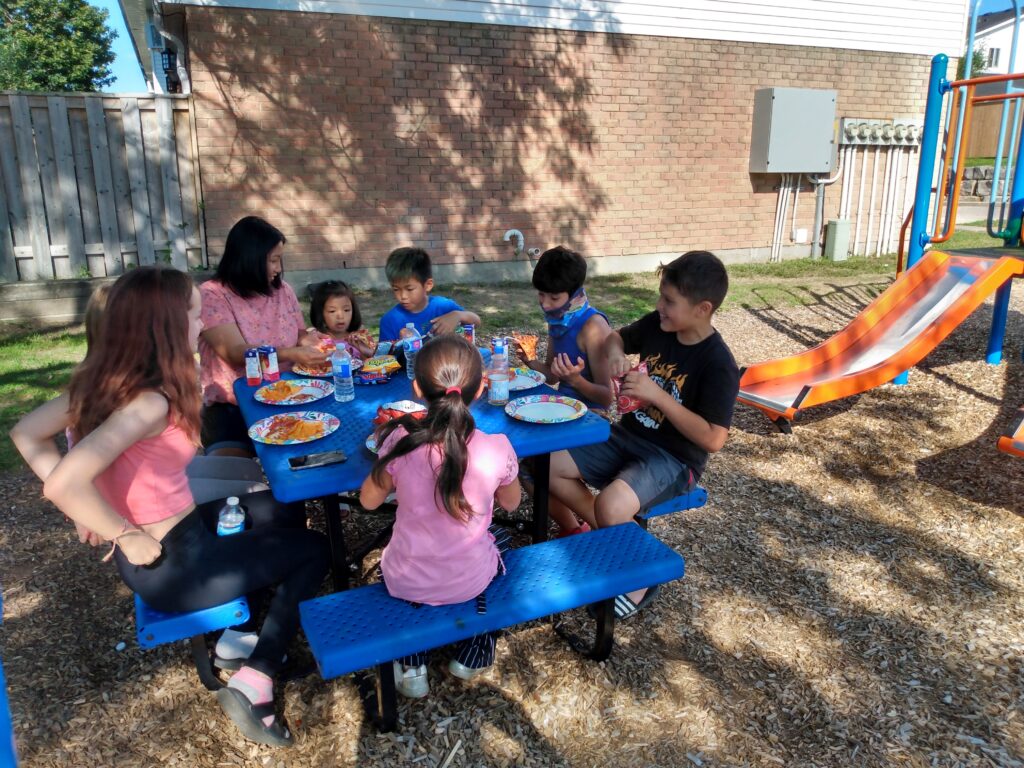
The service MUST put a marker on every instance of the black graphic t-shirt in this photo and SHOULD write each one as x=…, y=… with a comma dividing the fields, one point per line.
x=703, y=377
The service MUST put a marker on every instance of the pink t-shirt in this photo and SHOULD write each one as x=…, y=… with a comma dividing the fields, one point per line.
x=274, y=320
x=147, y=483
x=432, y=557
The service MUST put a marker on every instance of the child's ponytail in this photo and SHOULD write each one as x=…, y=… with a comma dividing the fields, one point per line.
x=448, y=371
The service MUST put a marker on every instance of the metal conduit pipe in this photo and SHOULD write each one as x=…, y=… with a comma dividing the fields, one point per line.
x=819, y=206
x=860, y=197
x=871, y=204
x=883, y=203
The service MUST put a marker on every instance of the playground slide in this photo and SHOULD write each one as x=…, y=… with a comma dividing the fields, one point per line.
x=1012, y=440
x=891, y=335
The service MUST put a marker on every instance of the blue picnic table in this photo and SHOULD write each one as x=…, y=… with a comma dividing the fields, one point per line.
x=356, y=417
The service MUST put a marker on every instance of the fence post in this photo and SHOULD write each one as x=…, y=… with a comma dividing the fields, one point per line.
x=28, y=167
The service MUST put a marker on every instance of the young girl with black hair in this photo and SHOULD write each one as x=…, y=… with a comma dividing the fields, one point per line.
x=335, y=313
x=447, y=475
x=133, y=412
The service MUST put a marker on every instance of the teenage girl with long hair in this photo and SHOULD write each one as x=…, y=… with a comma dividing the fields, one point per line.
x=447, y=475
x=133, y=410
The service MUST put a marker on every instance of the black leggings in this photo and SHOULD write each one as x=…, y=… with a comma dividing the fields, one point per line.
x=199, y=569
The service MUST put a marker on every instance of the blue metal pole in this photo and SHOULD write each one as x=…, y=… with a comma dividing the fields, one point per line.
x=938, y=86
x=994, y=353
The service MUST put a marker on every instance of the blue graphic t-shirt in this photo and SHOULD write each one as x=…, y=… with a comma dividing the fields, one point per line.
x=396, y=318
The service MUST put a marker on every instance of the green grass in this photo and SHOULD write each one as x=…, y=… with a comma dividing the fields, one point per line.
x=973, y=162
x=35, y=365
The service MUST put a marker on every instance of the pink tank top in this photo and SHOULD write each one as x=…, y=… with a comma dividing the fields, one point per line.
x=147, y=483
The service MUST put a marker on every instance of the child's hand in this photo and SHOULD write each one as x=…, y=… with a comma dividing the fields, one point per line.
x=446, y=323
x=562, y=368
x=618, y=365
x=640, y=386
x=85, y=536
x=140, y=548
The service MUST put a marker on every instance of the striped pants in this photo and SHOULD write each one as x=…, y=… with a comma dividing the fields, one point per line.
x=478, y=651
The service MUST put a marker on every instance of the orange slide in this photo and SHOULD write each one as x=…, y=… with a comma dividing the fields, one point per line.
x=893, y=333
x=1012, y=440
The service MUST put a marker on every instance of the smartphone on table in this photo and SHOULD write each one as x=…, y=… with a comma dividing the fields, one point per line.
x=311, y=460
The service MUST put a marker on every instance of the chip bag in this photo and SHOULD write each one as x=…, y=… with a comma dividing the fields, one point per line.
x=627, y=403
x=397, y=409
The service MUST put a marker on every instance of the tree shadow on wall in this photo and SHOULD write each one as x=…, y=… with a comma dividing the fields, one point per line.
x=359, y=134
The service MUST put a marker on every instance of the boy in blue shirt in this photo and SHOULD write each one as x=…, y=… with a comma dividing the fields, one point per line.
x=411, y=277
x=658, y=451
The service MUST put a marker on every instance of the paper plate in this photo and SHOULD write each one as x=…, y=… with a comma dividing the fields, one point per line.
x=293, y=428
x=293, y=391
x=524, y=378
x=545, y=409
x=323, y=373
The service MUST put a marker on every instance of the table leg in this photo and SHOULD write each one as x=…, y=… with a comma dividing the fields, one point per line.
x=336, y=537
x=541, y=472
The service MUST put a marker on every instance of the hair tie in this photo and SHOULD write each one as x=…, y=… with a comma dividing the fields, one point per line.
x=456, y=390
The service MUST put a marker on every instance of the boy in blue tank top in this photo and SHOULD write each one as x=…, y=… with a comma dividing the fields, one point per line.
x=576, y=331
x=576, y=334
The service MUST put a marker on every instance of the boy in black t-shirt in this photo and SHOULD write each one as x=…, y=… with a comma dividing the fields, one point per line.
x=660, y=450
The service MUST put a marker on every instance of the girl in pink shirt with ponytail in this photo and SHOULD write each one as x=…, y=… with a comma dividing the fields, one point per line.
x=447, y=475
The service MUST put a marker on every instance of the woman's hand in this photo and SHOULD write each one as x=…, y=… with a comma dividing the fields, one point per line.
x=139, y=548
x=308, y=356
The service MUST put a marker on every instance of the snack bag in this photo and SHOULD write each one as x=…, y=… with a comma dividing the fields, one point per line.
x=626, y=403
x=397, y=409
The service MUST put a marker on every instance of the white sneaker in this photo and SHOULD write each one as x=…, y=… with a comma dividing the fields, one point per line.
x=463, y=672
x=411, y=682
x=236, y=646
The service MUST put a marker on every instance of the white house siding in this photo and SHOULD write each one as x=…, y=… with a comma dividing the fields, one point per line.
x=1000, y=37
x=900, y=26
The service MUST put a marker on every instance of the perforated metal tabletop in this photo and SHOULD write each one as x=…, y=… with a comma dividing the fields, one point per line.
x=357, y=423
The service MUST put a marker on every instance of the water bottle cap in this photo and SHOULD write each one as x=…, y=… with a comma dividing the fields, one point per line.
x=232, y=501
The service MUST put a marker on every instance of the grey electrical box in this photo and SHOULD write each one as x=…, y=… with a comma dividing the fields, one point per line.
x=837, y=239
x=794, y=131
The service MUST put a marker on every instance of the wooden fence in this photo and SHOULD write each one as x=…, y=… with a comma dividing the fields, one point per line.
x=93, y=184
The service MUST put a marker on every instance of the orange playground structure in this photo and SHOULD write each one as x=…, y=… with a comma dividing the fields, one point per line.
x=1012, y=441
x=895, y=332
x=938, y=290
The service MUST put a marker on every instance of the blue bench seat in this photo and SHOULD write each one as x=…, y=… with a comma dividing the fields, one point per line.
x=692, y=499
x=365, y=627
x=153, y=628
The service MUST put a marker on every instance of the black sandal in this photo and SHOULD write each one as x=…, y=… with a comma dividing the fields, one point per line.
x=249, y=718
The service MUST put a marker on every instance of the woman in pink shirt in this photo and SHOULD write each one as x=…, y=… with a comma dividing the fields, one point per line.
x=246, y=305
x=447, y=475
x=133, y=411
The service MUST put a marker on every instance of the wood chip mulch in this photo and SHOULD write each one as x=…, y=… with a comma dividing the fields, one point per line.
x=853, y=596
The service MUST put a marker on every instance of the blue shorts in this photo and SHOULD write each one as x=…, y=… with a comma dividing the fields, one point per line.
x=654, y=474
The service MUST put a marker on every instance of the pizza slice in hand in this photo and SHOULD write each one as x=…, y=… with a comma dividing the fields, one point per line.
x=527, y=343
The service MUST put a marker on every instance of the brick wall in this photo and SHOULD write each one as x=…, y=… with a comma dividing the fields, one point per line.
x=355, y=135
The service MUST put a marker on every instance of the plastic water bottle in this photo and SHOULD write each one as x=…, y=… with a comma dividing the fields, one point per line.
x=413, y=344
x=497, y=372
x=341, y=365
x=231, y=519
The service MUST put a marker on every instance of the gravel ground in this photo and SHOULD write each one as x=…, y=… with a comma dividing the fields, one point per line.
x=853, y=597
